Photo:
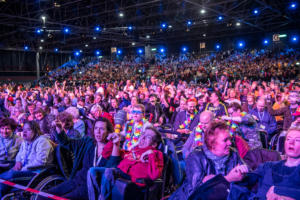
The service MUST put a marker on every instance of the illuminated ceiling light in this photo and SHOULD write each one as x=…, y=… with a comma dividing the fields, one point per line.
x=94, y=38
x=147, y=36
x=121, y=14
x=238, y=24
x=40, y=47
x=42, y=40
x=202, y=11
x=86, y=45
x=133, y=43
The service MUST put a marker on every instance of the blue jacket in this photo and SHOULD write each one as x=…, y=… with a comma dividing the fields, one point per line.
x=266, y=120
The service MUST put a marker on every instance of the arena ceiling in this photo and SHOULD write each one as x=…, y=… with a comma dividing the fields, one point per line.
x=22, y=22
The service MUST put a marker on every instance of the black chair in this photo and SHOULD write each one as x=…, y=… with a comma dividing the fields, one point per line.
x=263, y=138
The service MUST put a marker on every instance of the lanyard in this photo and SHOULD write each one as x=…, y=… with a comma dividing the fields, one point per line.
x=28, y=150
x=260, y=117
x=5, y=149
x=96, y=161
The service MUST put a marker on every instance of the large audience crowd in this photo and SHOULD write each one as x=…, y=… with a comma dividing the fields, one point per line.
x=222, y=115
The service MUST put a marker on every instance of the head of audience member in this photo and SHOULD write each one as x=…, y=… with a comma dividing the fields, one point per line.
x=81, y=101
x=134, y=100
x=31, y=107
x=232, y=94
x=234, y=110
x=191, y=106
x=114, y=103
x=142, y=97
x=138, y=112
x=74, y=112
x=98, y=98
x=206, y=117
x=260, y=104
x=102, y=128
x=151, y=137
x=7, y=127
x=153, y=99
x=182, y=104
x=201, y=100
x=217, y=138
x=39, y=114
x=31, y=131
x=66, y=120
x=18, y=102
x=96, y=111
x=214, y=97
x=292, y=146
x=294, y=97
x=67, y=100
x=250, y=99
x=38, y=104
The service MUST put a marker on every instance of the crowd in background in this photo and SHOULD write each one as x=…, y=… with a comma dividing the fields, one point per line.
x=241, y=99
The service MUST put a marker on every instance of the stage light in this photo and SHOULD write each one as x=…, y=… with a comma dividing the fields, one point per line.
x=162, y=50
x=293, y=5
x=220, y=18
x=238, y=24
x=189, y=23
x=133, y=43
x=26, y=48
x=255, y=12
x=97, y=52
x=202, y=11
x=294, y=39
x=40, y=47
x=119, y=52
x=140, y=51
x=66, y=30
x=56, y=50
x=43, y=17
x=97, y=28
x=184, y=49
x=77, y=53
x=241, y=44
x=121, y=14
x=147, y=36
x=86, y=45
x=170, y=26
x=42, y=40
x=266, y=42
x=39, y=31
x=218, y=46
x=130, y=28
x=163, y=25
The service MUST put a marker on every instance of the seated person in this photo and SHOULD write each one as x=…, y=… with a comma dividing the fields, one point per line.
x=135, y=127
x=36, y=150
x=154, y=111
x=215, y=160
x=78, y=124
x=196, y=138
x=67, y=123
x=142, y=162
x=186, y=121
x=244, y=125
x=280, y=179
x=215, y=105
x=9, y=142
x=88, y=152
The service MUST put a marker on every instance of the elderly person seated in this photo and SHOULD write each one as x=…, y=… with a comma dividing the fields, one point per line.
x=9, y=143
x=215, y=162
x=144, y=161
x=78, y=124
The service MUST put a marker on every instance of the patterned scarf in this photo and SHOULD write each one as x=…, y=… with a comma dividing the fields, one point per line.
x=187, y=122
x=131, y=139
x=198, y=135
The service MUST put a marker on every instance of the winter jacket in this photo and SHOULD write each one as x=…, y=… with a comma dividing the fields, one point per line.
x=198, y=165
x=136, y=169
x=37, y=153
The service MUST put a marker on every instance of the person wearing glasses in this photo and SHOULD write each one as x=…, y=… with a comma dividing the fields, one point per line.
x=135, y=127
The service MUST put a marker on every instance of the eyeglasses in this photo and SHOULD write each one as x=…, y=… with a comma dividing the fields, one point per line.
x=136, y=112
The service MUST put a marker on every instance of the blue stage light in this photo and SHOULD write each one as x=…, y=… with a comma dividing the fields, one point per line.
x=220, y=18
x=293, y=5
x=119, y=52
x=77, y=53
x=218, y=46
x=162, y=50
x=56, y=50
x=163, y=25
x=266, y=42
x=189, y=23
x=97, y=28
x=130, y=28
x=255, y=11
x=26, y=48
x=66, y=30
x=140, y=51
x=294, y=39
x=184, y=49
x=97, y=52
x=241, y=44
x=39, y=31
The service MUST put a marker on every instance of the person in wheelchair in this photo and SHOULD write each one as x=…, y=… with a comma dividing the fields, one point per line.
x=35, y=151
x=144, y=161
x=211, y=168
x=88, y=152
x=9, y=143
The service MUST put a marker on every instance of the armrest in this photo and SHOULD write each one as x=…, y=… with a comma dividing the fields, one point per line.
x=41, y=167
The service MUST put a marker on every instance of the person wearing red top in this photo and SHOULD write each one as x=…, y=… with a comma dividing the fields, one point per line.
x=142, y=162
